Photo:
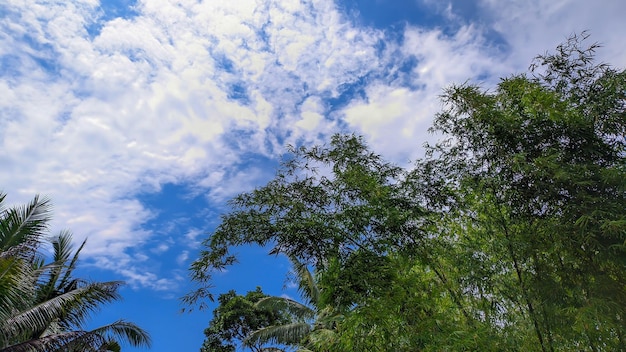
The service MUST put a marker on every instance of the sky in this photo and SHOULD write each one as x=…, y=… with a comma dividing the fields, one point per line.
x=141, y=118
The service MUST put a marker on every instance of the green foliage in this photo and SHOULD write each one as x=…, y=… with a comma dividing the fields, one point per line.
x=364, y=274
x=323, y=204
x=537, y=169
x=235, y=318
x=413, y=312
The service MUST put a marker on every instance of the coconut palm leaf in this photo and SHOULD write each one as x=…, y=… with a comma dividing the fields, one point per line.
x=298, y=310
x=91, y=297
x=124, y=331
x=62, y=249
x=59, y=274
x=16, y=290
x=101, y=339
x=112, y=346
x=56, y=342
x=287, y=334
x=306, y=282
x=71, y=306
x=22, y=228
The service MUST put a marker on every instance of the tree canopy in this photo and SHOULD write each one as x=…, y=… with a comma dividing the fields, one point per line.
x=509, y=235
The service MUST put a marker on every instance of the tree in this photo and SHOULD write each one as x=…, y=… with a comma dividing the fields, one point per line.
x=537, y=174
x=509, y=235
x=310, y=325
x=235, y=318
x=42, y=307
x=314, y=217
x=344, y=210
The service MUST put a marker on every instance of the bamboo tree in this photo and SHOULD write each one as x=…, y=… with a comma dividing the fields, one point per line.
x=548, y=152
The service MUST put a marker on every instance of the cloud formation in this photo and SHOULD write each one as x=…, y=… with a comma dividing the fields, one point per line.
x=98, y=109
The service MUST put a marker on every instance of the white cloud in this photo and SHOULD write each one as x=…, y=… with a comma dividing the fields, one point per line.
x=395, y=117
x=179, y=92
x=191, y=237
x=311, y=123
x=161, y=248
x=227, y=185
x=182, y=257
x=533, y=27
x=137, y=275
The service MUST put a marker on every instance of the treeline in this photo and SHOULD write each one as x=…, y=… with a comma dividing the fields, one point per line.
x=509, y=236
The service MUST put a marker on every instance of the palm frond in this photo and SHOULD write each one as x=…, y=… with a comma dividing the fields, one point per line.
x=58, y=275
x=90, y=298
x=21, y=228
x=73, y=307
x=16, y=290
x=2, y=197
x=296, y=309
x=42, y=306
x=111, y=346
x=287, y=334
x=125, y=332
x=57, y=342
x=70, y=268
x=306, y=282
x=72, y=341
x=62, y=246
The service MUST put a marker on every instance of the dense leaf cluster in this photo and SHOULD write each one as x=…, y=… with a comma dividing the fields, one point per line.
x=236, y=318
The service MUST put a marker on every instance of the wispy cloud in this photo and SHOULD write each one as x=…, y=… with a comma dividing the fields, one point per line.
x=182, y=257
x=98, y=109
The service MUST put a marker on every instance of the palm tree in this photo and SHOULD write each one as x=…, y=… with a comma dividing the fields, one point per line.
x=312, y=322
x=21, y=230
x=42, y=306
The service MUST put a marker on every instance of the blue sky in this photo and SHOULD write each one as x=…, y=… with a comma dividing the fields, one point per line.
x=141, y=118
